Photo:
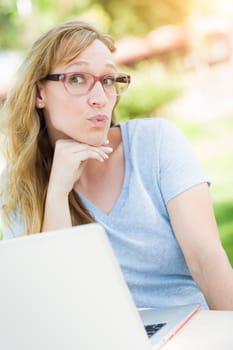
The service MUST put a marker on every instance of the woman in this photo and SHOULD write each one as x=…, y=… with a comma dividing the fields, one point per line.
x=67, y=164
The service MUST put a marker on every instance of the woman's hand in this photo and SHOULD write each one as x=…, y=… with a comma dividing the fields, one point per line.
x=68, y=163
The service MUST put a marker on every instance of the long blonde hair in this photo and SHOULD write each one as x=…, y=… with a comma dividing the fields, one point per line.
x=28, y=152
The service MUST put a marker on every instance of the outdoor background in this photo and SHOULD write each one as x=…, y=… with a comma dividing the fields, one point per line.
x=180, y=56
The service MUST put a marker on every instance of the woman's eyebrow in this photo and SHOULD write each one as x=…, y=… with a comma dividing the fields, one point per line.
x=86, y=63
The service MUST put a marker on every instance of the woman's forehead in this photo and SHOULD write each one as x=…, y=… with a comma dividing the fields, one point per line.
x=95, y=53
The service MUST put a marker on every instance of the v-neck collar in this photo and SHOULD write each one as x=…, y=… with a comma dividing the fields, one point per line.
x=122, y=196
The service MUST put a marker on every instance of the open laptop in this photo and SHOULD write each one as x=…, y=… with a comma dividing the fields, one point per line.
x=64, y=290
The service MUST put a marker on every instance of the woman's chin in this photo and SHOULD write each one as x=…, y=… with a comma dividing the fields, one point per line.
x=97, y=143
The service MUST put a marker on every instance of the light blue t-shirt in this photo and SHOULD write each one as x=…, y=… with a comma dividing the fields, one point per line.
x=159, y=164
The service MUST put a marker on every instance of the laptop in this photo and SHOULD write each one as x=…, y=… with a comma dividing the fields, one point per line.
x=64, y=290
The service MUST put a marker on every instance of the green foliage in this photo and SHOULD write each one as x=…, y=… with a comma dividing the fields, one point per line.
x=224, y=217
x=151, y=88
x=8, y=24
x=138, y=17
x=18, y=30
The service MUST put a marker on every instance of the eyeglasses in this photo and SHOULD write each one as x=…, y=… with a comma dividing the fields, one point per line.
x=80, y=84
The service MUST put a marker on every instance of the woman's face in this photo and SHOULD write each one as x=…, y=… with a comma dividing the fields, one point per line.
x=84, y=118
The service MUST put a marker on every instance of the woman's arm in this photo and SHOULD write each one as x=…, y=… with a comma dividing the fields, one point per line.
x=68, y=163
x=192, y=218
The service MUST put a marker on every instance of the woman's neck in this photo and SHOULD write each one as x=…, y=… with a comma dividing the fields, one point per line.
x=94, y=169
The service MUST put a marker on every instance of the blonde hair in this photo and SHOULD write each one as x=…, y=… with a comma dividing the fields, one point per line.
x=28, y=152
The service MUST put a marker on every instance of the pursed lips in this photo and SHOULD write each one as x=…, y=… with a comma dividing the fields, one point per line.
x=99, y=120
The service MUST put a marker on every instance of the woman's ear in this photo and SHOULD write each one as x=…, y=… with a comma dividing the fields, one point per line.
x=39, y=99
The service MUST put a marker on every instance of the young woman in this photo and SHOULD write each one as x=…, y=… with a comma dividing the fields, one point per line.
x=68, y=164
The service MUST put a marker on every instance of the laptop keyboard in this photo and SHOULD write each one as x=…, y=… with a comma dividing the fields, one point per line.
x=151, y=329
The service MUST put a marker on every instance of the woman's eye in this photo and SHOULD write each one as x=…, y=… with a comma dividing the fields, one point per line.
x=109, y=81
x=76, y=79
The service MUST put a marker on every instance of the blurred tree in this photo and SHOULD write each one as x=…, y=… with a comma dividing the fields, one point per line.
x=138, y=17
x=8, y=23
x=19, y=26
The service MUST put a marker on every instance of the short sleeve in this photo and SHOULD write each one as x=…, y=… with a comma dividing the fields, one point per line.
x=16, y=226
x=179, y=167
x=14, y=229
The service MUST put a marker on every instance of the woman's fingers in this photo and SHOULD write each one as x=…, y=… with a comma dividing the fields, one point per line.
x=68, y=147
x=68, y=161
x=97, y=153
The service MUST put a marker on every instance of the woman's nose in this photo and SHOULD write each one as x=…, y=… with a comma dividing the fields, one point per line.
x=97, y=95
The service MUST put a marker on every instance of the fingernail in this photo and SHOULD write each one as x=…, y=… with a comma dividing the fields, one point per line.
x=108, y=149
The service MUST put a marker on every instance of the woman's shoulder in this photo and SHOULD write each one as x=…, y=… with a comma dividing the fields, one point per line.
x=155, y=128
x=156, y=120
x=149, y=123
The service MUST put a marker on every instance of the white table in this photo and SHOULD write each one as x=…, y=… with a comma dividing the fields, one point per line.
x=207, y=330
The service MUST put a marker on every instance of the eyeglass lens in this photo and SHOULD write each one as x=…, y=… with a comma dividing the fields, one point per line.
x=81, y=83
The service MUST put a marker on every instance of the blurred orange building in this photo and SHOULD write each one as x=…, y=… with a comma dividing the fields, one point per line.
x=208, y=41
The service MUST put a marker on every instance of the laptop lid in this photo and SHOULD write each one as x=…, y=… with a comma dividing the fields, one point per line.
x=64, y=290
